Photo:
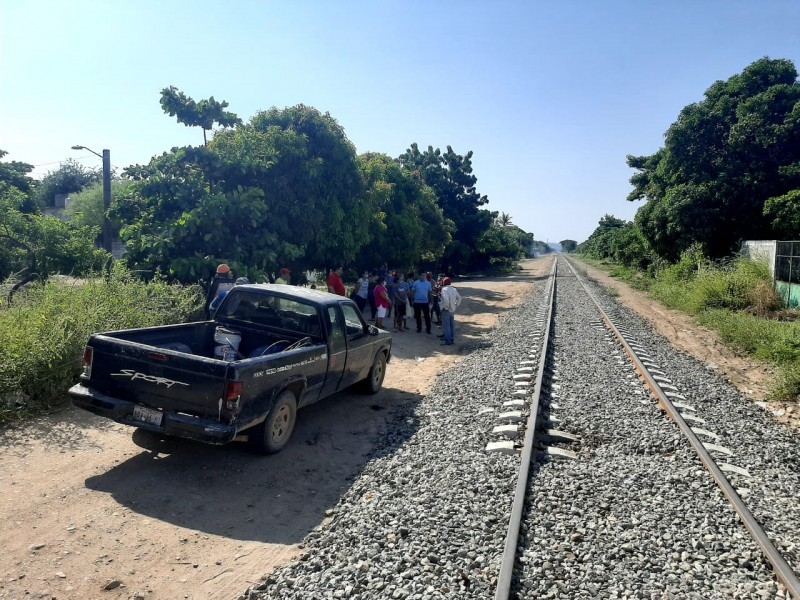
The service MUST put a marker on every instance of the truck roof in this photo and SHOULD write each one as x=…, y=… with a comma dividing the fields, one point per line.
x=294, y=291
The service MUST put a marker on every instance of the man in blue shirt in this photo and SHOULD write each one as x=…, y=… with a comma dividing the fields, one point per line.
x=421, y=292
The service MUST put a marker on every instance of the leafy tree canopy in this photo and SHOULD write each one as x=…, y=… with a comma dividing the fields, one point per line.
x=722, y=160
x=540, y=247
x=15, y=174
x=307, y=169
x=784, y=212
x=70, y=177
x=31, y=243
x=283, y=189
x=87, y=208
x=620, y=241
x=568, y=245
x=406, y=224
x=450, y=176
x=197, y=114
x=500, y=247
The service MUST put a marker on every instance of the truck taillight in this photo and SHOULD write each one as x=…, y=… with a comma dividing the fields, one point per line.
x=88, y=356
x=232, y=394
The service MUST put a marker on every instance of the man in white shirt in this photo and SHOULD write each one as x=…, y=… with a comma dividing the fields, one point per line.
x=448, y=302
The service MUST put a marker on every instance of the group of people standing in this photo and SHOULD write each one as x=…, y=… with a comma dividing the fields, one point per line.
x=383, y=293
x=426, y=296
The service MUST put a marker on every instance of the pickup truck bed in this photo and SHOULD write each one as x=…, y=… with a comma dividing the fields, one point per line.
x=295, y=347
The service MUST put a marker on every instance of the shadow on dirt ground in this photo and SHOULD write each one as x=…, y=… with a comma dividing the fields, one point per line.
x=63, y=429
x=231, y=492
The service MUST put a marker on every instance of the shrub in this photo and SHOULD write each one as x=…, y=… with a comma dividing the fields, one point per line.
x=43, y=333
x=734, y=297
x=788, y=383
x=694, y=284
x=765, y=339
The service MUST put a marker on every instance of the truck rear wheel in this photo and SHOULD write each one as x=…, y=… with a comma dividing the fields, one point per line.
x=372, y=384
x=272, y=435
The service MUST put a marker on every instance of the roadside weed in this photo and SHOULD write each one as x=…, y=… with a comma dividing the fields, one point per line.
x=42, y=334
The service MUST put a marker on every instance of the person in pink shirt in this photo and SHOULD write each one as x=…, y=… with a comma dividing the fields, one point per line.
x=382, y=301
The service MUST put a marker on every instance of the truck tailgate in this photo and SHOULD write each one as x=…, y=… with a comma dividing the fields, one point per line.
x=157, y=377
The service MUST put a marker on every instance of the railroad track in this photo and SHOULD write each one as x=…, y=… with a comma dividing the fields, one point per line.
x=535, y=378
x=616, y=502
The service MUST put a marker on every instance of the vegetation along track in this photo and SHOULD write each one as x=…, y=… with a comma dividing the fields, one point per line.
x=619, y=506
x=634, y=515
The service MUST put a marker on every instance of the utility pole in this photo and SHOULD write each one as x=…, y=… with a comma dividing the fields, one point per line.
x=107, y=233
x=106, y=156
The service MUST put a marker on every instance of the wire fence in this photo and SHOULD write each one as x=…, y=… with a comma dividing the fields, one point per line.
x=787, y=272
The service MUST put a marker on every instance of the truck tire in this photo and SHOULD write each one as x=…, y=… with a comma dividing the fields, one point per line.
x=274, y=432
x=374, y=380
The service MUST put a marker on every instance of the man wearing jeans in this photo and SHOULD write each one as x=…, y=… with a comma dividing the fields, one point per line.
x=448, y=302
x=421, y=292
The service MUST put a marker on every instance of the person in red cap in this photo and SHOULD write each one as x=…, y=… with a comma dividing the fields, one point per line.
x=222, y=282
x=285, y=276
x=449, y=301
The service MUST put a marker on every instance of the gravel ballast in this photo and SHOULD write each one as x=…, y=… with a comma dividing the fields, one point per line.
x=635, y=516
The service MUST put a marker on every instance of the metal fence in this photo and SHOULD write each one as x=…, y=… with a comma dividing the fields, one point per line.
x=787, y=272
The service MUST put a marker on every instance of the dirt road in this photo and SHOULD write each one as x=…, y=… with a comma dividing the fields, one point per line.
x=89, y=510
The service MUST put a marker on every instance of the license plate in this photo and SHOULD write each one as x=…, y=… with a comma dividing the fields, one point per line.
x=147, y=415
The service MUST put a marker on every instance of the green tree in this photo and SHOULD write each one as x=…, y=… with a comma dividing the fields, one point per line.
x=70, y=177
x=15, y=174
x=283, y=189
x=784, y=212
x=86, y=208
x=568, y=245
x=31, y=243
x=500, y=247
x=406, y=223
x=598, y=245
x=503, y=219
x=619, y=241
x=722, y=160
x=197, y=114
x=450, y=175
x=175, y=221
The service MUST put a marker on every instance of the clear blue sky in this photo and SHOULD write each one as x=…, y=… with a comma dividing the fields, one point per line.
x=550, y=95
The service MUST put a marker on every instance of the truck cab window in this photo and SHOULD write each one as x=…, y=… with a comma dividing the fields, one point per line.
x=353, y=323
x=337, y=331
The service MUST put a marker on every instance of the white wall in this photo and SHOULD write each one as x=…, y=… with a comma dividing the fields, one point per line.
x=761, y=250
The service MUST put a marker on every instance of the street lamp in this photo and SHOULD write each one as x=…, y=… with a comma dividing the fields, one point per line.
x=106, y=156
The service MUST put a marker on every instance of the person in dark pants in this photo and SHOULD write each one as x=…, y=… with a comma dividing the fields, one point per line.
x=436, y=287
x=361, y=291
x=421, y=292
x=371, y=296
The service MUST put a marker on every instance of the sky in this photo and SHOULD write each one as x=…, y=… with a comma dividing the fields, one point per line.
x=551, y=96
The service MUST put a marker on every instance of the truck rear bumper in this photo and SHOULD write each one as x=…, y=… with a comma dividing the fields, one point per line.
x=201, y=429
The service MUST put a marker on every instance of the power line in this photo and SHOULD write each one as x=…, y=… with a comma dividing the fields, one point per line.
x=58, y=162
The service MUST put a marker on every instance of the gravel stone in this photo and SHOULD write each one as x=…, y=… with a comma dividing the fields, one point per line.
x=634, y=517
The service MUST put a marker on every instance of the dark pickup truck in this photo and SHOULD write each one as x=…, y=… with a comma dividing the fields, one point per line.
x=269, y=350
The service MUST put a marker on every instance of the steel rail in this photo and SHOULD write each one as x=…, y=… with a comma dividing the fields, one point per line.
x=782, y=568
x=512, y=536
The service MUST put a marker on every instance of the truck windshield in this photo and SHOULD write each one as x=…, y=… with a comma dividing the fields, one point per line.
x=271, y=311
